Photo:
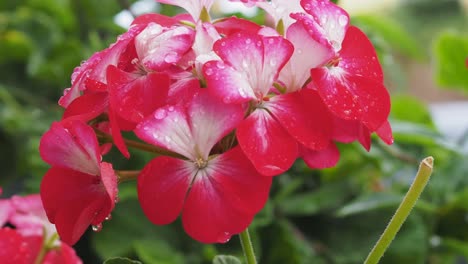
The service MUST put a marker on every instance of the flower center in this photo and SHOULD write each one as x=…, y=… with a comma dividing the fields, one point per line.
x=201, y=163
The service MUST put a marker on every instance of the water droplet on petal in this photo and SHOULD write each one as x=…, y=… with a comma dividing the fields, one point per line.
x=248, y=41
x=208, y=71
x=342, y=20
x=170, y=108
x=220, y=65
x=171, y=57
x=109, y=217
x=272, y=62
x=97, y=228
x=160, y=113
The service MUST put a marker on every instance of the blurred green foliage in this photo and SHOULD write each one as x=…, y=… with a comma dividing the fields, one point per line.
x=329, y=216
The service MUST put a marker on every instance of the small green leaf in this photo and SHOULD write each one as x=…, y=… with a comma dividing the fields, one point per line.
x=119, y=260
x=225, y=259
x=410, y=109
x=157, y=251
x=327, y=197
x=451, y=53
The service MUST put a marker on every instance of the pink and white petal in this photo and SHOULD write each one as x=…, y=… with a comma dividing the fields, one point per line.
x=135, y=97
x=211, y=120
x=71, y=145
x=205, y=35
x=385, y=133
x=277, y=52
x=87, y=106
x=266, y=143
x=280, y=10
x=304, y=116
x=228, y=84
x=162, y=187
x=332, y=19
x=353, y=97
x=168, y=127
x=321, y=159
x=193, y=7
x=74, y=200
x=358, y=56
x=158, y=47
x=308, y=54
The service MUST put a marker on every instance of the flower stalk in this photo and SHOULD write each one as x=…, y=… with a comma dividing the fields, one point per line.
x=410, y=199
x=247, y=247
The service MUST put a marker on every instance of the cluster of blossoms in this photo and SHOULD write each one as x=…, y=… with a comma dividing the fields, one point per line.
x=33, y=238
x=226, y=103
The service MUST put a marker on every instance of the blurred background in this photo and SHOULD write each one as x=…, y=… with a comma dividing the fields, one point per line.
x=329, y=216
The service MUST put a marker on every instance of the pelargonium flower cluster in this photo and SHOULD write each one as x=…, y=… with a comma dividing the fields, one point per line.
x=226, y=102
x=33, y=238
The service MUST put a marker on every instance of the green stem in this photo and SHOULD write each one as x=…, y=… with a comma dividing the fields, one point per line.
x=129, y=175
x=410, y=199
x=46, y=246
x=247, y=247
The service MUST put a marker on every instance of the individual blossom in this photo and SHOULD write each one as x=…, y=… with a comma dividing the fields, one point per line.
x=351, y=82
x=217, y=193
x=79, y=189
x=277, y=123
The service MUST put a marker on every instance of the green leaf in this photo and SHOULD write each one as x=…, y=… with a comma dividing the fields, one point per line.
x=392, y=32
x=157, y=251
x=328, y=196
x=225, y=259
x=377, y=201
x=451, y=52
x=410, y=109
x=119, y=260
x=127, y=227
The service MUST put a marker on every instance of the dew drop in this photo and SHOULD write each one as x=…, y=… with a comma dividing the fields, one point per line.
x=170, y=108
x=342, y=20
x=97, y=228
x=248, y=41
x=109, y=217
x=160, y=113
x=167, y=139
x=307, y=7
x=171, y=57
x=223, y=44
x=220, y=65
x=208, y=71
x=347, y=112
x=272, y=62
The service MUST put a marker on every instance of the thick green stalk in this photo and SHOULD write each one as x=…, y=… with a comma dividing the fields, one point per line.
x=410, y=199
x=247, y=247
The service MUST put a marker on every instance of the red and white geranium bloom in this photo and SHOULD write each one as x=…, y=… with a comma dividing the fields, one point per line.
x=270, y=135
x=79, y=189
x=217, y=194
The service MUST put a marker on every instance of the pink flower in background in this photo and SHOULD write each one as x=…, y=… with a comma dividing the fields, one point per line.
x=78, y=190
x=32, y=231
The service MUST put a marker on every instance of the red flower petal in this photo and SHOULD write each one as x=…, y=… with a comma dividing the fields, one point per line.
x=325, y=158
x=347, y=131
x=224, y=198
x=385, y=133
x=134, y=97
x=71, y=145
x=87, y=106
x=74, y=200
x=162, y=187
x=16, y=249
x=230, y=25
x=266, y=143
x=358, y=57
x=352, y=97
x=304, y=116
